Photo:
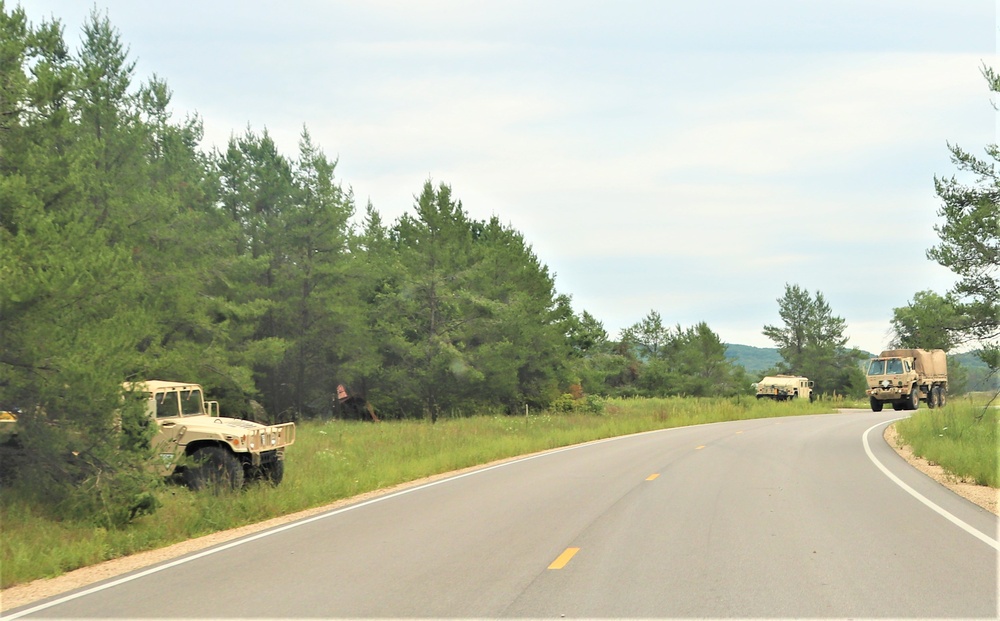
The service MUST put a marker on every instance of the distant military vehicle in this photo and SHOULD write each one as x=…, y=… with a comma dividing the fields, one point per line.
x=205, y=449
x=905, y=377
x=782, y=387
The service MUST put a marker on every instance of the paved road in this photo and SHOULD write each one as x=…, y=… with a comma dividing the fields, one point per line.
x=788, y=517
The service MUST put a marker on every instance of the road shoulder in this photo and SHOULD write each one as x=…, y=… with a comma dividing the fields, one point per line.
x=985, y=497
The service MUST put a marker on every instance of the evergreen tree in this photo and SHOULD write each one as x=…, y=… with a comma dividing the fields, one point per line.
x=71, y=294
x=970, y=242
x=314, y=309
x=427, y=354
x=520, y=335
x=256, y=188
x=812, y=342
x=699, y=364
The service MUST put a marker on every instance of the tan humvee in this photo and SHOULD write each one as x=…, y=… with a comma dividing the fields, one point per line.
x=782, y=387
x=905, y=377
x=206, y=449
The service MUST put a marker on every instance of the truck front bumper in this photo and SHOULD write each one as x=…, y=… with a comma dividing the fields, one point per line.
x=892, y=393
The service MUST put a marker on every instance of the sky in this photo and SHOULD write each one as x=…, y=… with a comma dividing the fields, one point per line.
x=688, y=158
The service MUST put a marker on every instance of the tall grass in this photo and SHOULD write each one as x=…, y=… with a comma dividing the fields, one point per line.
x=961, y=437
x=334, y=460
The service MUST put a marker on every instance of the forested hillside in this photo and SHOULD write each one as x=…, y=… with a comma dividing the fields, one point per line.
x=756, y=360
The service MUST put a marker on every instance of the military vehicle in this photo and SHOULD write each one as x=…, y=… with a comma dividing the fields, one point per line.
x=782, y=387
x=207, y=450
x=905, y=377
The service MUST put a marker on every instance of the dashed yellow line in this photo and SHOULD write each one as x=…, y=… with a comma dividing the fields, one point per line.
x=698, y=448
x=564, y=558
x=652, y=476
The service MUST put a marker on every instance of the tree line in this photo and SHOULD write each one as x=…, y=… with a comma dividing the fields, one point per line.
x=128, y=252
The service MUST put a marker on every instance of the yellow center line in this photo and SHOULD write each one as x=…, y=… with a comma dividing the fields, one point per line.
x=739, y=432
x=652, y=476
x=560, y=562
x=698, y=448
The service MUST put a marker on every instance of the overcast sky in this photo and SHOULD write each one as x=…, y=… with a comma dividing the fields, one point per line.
x=688, y=157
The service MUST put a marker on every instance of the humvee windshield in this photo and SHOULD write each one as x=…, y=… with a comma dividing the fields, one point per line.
x=191, y=403
x=178, y=403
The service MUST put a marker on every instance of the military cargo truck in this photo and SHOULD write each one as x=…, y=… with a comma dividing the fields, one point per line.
x=205, y=449
x=905, y=377
x=782, y=387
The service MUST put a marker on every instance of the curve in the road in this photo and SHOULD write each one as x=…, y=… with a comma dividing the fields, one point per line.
x=933, y=506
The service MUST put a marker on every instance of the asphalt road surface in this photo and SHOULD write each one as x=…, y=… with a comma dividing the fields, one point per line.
x=810, y=516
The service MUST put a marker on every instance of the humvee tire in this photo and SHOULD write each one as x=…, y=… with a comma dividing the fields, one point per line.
x=273, y=472
x=214, y=468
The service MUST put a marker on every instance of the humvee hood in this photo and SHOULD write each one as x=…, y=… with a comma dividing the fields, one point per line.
x=222, y=423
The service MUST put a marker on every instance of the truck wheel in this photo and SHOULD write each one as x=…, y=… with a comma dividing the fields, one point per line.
x=214, y=468
x=897, y=405
x=876, y=404
x=931, y=398
x=273, y=472
x=942, y=396
x=938, y=396
x=913, y=402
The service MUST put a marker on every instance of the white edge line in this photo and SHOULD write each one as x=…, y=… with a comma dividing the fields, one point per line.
x=948, y=516
x=296, y=524
x=302, y=522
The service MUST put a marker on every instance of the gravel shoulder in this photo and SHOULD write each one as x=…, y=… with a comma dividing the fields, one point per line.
x=22, y=594
x=985, y=497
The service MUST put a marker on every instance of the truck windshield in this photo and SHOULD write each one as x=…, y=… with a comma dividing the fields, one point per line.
x=877, y=367
x=166, y=404
x=191, y=403
x=893, y=365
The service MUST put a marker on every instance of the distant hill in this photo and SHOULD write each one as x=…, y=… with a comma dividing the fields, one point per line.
x=754, y=359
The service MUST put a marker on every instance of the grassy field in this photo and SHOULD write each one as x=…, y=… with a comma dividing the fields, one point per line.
x=335, y=460
x=961, y=437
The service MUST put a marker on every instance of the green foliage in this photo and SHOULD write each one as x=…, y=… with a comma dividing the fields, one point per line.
x=468, y=316
x=680, y=361
x=811, y=342
x=756, y=360
x=970, y=241
x=71, y=292
x=928, y=322
x=961, y=437
x=977, y=375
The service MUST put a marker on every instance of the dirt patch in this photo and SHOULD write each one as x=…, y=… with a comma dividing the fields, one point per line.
x=985, y=497
x=23, y=594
